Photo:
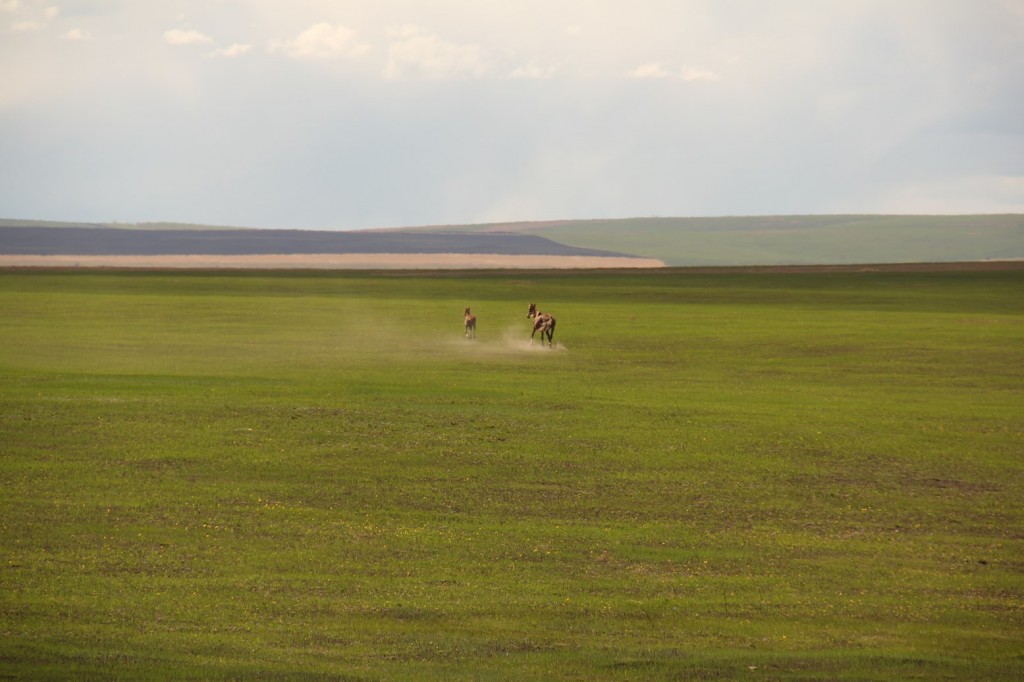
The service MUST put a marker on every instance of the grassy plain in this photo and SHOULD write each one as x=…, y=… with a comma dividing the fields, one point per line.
x=230, y=475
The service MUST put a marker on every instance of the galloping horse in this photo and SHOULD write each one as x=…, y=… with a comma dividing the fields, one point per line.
x=470, y=320
x=543, y=323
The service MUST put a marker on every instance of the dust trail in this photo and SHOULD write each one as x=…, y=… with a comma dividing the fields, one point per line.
x=512, y=340
x=517, y=339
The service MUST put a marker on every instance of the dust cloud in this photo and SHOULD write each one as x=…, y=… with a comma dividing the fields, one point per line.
x=511, y=340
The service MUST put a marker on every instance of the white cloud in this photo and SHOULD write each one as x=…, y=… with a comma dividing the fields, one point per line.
x=532, y=71
x=234, y=50
x=77, y=34
x=27, y=18
x=321, y=42
x=655, y=70
x=417, y=52
x=652, y=70
x=690, y=73
x=179, y=37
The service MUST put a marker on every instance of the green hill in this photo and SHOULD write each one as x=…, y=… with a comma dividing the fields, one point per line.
x=794, y=240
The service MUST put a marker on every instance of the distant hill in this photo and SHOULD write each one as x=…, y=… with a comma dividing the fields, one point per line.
x=790, y=240
x=723, y=241
x=99, y=240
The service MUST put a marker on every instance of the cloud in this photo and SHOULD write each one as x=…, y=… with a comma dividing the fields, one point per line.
x=414, y=51
x=655, y=70
x=322, y=42
x=77, y=34
x=179, y=37
x=235, y=50
x=652, y=70
x=691, y=73
x=532, y=71
x=28, y=18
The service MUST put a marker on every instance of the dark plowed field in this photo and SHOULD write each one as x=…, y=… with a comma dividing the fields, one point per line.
x=49, y=241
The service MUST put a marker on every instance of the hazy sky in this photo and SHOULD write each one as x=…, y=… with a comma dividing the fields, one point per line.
x=374, y=113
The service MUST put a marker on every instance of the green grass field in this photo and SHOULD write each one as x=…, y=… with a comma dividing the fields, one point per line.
x=314, y=476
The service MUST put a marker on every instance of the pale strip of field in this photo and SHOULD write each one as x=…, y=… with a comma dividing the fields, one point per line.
x=337, y=261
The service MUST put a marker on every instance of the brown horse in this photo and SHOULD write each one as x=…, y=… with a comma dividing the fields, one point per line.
x=470, y=320
x=543, y=323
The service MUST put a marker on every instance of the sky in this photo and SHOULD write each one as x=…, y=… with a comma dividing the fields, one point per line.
x=349, y=114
